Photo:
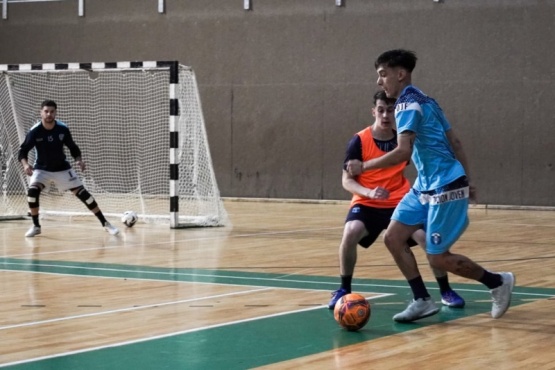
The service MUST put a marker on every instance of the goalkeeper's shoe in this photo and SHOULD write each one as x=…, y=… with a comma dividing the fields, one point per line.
x=111, y=229
x=33, y=230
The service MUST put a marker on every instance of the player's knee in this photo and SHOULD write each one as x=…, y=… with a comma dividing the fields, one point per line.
x=33, y=194
x=418, y=237
x=392, y=241
x=437, y=261
x=86, y=197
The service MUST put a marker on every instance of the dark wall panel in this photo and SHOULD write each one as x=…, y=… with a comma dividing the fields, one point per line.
x=286, y=85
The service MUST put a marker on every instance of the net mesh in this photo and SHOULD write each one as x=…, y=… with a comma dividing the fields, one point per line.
x=119, y=119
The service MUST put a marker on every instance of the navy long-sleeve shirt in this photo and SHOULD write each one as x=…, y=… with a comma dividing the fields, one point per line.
x=49, y=146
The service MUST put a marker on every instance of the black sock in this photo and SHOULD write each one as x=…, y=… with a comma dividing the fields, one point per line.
x=443, y=283
x=491, y=280
x=101, y=218
x=346, y=282
x=36, y=220
x=418, y=288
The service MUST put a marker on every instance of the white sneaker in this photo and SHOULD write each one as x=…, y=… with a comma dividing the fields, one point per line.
x=417, y=309
x=33, y=230
x=111, y=229
x=501, y=296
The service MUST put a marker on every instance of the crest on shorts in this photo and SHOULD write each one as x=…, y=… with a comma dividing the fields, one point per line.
x=61, y=136
x=436, y=238
x=355, y=210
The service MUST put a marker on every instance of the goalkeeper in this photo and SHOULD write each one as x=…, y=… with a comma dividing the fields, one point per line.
x=48, y=137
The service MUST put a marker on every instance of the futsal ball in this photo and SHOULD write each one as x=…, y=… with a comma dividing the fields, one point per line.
x=352, y=311
x=129, y=218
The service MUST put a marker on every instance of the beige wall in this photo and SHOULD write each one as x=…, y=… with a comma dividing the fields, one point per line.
x=286, y=85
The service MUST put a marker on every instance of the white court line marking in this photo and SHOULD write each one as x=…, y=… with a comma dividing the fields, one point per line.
x=130, y=245
x=178, y=281
x=236, y=278
x=69, y=353
x=129, y=309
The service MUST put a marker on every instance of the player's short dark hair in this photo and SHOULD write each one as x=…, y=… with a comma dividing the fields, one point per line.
x=381, y=95
x=397, y=58
x=49, y=103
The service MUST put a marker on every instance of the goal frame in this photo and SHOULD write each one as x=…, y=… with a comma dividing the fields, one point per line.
x=173, y=120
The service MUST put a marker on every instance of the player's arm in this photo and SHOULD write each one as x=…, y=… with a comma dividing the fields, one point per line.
x=460, y=154
x=403, y=153
x=74, y=150
x=349, y=182
x=72, y=146
x=353, y=186
x=23, y=153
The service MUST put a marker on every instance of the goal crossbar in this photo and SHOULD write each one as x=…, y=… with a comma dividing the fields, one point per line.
x=122, y=115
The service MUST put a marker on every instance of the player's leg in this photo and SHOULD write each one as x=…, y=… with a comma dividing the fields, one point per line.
x=88, y=200
x=37, y=182
x=363, y=225
x=352, y=233
x=33, y=194
x=68, y=180
x=446, y=222
x=449, y=297
x=409, y=216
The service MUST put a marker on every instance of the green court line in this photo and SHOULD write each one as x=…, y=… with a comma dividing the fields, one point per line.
x=254, y=343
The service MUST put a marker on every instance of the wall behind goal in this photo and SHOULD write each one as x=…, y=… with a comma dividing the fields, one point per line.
x=286, y=85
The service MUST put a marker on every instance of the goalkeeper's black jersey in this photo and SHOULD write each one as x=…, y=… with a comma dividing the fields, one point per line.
x=49, y=147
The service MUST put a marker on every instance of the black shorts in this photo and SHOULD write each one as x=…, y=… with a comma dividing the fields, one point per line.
x=375, y=220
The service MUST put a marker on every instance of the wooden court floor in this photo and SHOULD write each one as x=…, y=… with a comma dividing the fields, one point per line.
x=252, y=295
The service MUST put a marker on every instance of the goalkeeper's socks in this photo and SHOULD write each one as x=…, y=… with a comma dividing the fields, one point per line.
x=101, y=218
x=36, y=220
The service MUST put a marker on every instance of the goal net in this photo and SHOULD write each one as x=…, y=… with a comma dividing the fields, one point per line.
x=140, y=128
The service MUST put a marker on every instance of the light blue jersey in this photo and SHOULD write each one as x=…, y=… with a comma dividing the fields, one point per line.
x=439, y=197
x=432, y=155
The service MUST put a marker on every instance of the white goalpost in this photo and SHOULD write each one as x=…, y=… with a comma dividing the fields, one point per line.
x=141, y=130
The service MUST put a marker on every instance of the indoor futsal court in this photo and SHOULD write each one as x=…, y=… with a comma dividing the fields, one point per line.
x=227, y=129
x=254, y=295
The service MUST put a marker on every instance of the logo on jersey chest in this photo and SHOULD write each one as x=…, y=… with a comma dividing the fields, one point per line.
x=50, y=138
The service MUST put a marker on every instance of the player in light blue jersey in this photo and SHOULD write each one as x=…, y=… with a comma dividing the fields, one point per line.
x=439, y=198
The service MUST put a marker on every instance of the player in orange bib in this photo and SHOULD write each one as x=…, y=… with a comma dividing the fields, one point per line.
x=375, y=195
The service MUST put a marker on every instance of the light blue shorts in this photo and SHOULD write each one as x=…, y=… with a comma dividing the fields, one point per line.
x=443, y=213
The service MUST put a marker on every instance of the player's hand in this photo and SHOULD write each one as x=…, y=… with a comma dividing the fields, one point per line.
x=28, y=170
x=354, y=167
x=378, y=193
x=81, y=165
